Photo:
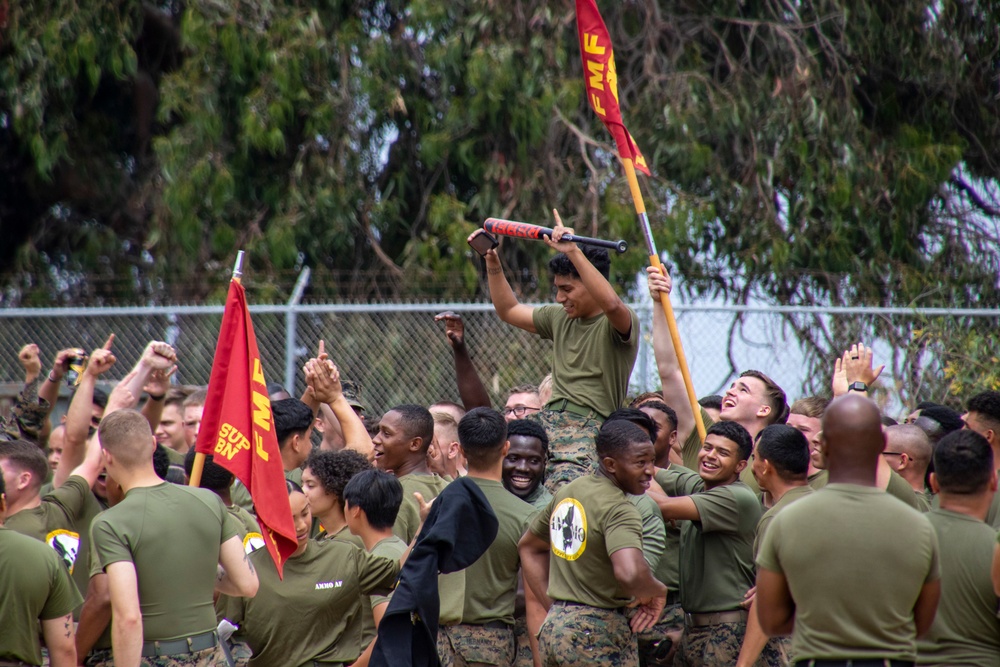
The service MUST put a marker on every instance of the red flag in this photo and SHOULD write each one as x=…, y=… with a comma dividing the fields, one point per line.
x=601, y=79
x=238, y=430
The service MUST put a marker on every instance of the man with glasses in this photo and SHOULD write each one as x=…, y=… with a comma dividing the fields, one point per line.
x=522, y=401
x=908, y=452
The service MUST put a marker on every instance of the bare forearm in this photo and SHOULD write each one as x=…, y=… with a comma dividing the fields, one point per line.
x=671, y=379
x=48, y=391
x=77, y=429
x=501, y=294
x=754, y=640
x=126, y=640
x=95, y=615
x=598, y=286
x=152, y=411
x=535, y=570
x=470, y=386
x=355, y=434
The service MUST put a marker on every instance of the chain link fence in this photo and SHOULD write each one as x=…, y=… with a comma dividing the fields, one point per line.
x=398, y=354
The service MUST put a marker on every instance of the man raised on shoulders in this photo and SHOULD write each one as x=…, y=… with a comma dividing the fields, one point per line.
x=596, y=341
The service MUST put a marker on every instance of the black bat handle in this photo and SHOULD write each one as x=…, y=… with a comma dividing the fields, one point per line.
x=618, y=246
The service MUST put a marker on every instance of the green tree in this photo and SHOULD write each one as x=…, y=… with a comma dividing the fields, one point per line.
x=824, y=152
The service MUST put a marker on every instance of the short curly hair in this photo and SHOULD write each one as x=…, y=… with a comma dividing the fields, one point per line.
x=335, y=469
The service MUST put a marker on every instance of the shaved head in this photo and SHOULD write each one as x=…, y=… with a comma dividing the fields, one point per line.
x=852, y=431
x=911, y=440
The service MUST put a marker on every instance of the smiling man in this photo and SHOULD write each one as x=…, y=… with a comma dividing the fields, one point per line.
x=716, y=560
x=404, y=433
x=524, y=465
x=582, y=557
x=595, y=339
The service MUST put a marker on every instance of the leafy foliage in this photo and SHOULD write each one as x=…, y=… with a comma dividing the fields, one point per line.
x=822, y=152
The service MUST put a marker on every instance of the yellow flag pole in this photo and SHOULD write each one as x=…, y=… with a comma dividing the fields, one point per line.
x=668, y=309
x=198, y=466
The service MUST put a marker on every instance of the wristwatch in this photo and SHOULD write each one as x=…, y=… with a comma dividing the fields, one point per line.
x=858, y=386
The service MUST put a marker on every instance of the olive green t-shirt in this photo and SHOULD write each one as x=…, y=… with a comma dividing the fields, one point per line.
x=653, y=534
x=35, y=586
x=322, y=595
x=342, y=535
x=716, y=560
x=539, y=498
x=592, y=361
x=588, y=520
x=408, y=519
x=897, y=487
x=172, y=535
x=676, y=481
x=790, y=497
x=55, y=521
x=390, y=547
x=923, y=504
x=993, y=513
x=855, y=560
x=491, y=582
x=966, y=630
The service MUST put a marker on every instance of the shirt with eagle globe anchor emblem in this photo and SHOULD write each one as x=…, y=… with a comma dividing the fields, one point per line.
x=588, y=520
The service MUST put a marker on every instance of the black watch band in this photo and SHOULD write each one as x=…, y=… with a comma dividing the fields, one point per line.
x=858, y=386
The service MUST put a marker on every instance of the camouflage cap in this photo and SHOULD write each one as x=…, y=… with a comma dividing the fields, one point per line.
x=352, y=392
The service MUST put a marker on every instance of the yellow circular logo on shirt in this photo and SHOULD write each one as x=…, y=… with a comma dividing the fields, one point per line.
x=252, y=542
x=67, y=544
x=568, y=529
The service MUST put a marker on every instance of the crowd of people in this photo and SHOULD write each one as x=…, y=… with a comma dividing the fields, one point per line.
x=603, y=529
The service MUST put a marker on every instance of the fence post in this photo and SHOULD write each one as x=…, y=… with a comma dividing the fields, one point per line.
x=291, y=323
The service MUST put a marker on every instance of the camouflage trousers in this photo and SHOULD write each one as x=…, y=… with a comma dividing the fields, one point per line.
x=658, y=645
x=522, y=643
x=581, y=636
x=467, y=645
x=100, y=657
x=720, y=644
x=572, y=448
x=210, y=657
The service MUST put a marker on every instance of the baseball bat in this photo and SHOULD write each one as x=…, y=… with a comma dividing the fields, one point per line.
x=524, y=230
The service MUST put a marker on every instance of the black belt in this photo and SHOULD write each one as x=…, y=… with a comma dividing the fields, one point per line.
x=852, y=662
x=181, y=646
x=563, y=405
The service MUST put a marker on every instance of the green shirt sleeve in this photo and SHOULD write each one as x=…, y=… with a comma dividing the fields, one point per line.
x=541, y=317
x=231, y=526
x=111, y=547
x=375, y=573
x=63, y=595
x=654, y=535
x=934, y=572
x=718, y=510
x=679, y=481
x=70, y=497
x=767, y=557
x=622, y=528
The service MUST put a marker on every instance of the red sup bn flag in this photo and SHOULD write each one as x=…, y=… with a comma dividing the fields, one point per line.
x=601, y=79
x=237, y=428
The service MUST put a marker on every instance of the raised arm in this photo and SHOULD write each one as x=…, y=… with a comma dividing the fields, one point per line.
x=78, y=417
x=669, y=369
x=502, y=296
x=156, y=392
x=49, y=389
x=598, y=286
x=323, y=387
x=470, y=387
